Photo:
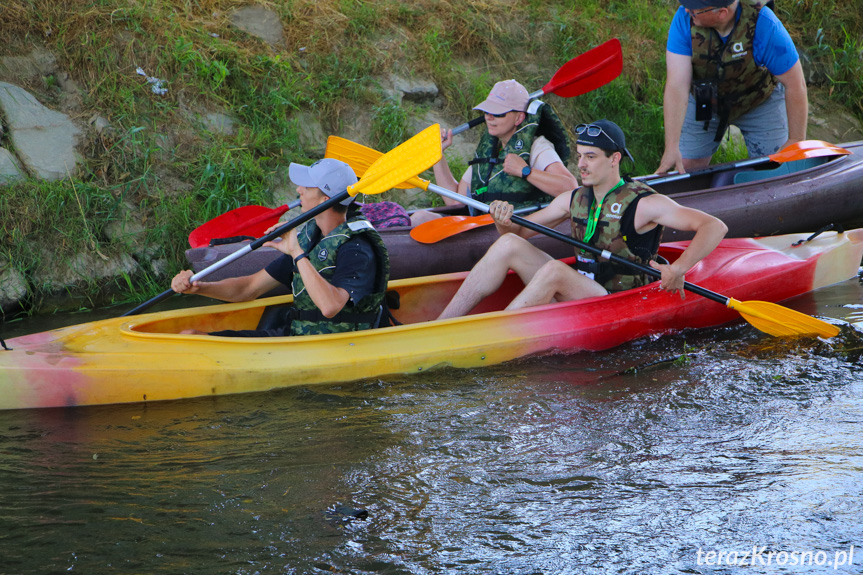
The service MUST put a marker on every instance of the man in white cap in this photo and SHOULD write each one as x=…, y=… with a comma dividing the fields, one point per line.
x=730, y=62
x=621, y=216
x=336, y=264
x=513, y=162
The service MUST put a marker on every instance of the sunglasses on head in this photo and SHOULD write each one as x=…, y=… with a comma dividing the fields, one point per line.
x=593, y=131
x=704, y=11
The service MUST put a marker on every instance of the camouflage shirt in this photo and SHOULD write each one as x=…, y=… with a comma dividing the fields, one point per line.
x=741, y=84
x=488, y=180
x=615, y=232
x=322, y=255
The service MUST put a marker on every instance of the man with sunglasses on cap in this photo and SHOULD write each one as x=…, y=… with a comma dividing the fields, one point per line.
x=512, y=161
x=336, y=264
x=730, y=62
x=621, y=216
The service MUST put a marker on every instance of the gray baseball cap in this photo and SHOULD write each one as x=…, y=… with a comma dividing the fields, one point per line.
x=329, y=175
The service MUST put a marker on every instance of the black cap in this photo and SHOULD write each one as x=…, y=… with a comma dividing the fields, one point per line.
x=610, y=137
x=701, y=4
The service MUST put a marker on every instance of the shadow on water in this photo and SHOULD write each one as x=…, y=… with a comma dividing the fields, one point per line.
x=627, y=461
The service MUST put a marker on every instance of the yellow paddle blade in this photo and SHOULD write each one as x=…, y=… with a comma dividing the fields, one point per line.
x=777, y=320
x=401, y=163
x=357, y=156
x=360, y=158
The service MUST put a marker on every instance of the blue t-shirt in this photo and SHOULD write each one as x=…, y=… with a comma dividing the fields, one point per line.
x=772, y=46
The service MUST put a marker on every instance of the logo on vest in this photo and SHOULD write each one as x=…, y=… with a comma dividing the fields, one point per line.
x=519, y=145
x=615, y=211
x=323, y=254
x=738, y=50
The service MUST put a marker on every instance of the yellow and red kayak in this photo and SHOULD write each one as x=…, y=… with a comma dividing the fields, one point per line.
x=144, y=358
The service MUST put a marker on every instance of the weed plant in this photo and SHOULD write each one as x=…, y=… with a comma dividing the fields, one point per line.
x=159, y=158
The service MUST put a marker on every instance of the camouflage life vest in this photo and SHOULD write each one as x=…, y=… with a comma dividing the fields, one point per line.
x=615, y=232
x=489, y=182
x=741, y=84
x=307, y=319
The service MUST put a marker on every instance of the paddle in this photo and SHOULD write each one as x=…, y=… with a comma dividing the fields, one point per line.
x=433, y=231
x=436, y=230
x=400, y=164
x=790, y=153
x=242, y=221
x=585, y=73
x=768, y=317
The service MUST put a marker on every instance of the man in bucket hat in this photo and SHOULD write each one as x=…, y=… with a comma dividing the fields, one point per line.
x=336, y=264
x=621, y=216
x=730, y=62
x=513, y=162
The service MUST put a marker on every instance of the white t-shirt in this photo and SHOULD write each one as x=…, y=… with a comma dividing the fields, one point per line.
x=542, y=155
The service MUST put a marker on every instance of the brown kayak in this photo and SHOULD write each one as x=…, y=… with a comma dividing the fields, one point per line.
x=797, y=196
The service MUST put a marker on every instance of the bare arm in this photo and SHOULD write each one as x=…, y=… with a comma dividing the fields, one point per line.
x=551, y=216
x=328, y=298
x=709, y=231
x=236, y=289
x=553, y=180
x=443, y=174
x=675, y=100
x=796, y=103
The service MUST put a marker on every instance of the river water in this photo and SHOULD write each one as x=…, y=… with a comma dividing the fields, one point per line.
x=677, y=454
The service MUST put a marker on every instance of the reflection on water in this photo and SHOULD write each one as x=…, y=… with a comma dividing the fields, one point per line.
x=628, y=461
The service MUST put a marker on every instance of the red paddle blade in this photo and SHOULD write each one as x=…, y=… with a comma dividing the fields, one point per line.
x=434, y=231
x=589, y=71
x=244, y=221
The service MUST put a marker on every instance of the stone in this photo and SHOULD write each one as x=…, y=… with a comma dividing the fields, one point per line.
x=39, y=62
x=311, y=134
x=218, y=123
x=413, y=90
x=261, y=23
x=10, y=170
x=54, y=274
x=13, y=288
x=44, y=139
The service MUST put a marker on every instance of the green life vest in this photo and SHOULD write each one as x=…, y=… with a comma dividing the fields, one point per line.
x=488, y=180
x=615, y=232
x=355, y=316
x=741, y=84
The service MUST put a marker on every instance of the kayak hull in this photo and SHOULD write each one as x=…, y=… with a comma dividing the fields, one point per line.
x=807, y=199
x=144, y=359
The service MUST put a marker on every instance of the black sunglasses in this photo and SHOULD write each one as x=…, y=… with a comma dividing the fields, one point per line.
x=593, y=131
x=704, y=11
x=497, y=115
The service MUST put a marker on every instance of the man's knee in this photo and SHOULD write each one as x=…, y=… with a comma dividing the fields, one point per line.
x=508, y=244
x=554, y=272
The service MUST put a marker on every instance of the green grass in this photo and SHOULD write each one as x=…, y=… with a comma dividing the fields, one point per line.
x=336, y=53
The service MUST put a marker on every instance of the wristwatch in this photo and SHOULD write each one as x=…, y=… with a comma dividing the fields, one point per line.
x=525, y=172
x=301, y=256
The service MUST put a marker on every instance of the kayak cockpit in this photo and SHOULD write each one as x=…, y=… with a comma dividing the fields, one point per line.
x=411, y=301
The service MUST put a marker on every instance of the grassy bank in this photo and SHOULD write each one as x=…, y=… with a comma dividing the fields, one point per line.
x=159, y=160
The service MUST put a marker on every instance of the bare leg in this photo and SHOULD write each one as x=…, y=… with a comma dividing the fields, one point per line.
x=556, y=280
x=694, y=164
x=509, y=252
x=423, y=216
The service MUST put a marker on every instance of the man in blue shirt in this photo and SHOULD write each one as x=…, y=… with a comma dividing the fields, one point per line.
x=730, y=62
